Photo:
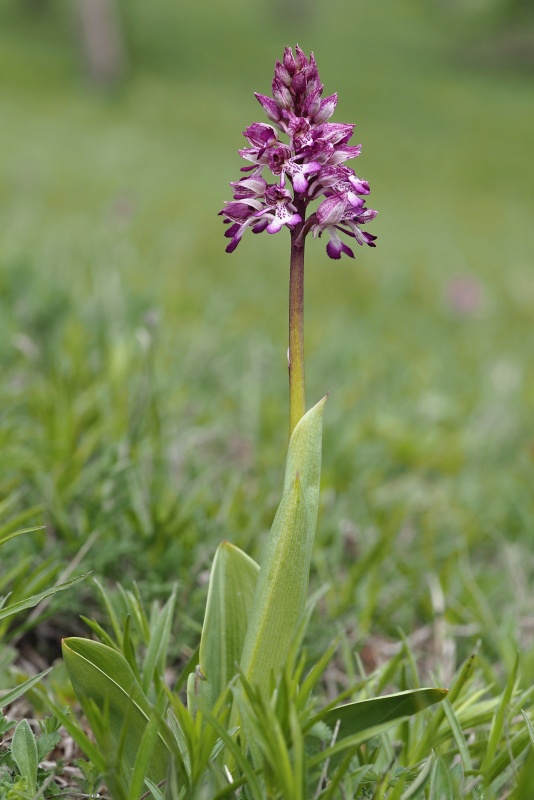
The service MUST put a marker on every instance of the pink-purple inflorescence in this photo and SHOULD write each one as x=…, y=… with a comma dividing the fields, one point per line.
x=309, y=166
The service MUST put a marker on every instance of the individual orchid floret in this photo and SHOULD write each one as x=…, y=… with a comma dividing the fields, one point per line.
x=270, y=107
x=338, y=214
x=306, y=155
x=279, y=210
x=326, y=109
x=260, y=207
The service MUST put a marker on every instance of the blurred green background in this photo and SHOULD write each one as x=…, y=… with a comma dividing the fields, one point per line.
x=143, y=397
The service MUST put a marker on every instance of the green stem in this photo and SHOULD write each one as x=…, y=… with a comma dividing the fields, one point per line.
x=297, y=402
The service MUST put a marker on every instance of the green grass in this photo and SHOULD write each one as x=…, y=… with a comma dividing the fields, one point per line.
x=143, y=392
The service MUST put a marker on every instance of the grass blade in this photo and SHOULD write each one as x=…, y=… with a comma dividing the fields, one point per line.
x=13, y=694
x=35, y=599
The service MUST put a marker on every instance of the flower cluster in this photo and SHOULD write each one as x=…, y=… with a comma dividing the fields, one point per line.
x=309, y=167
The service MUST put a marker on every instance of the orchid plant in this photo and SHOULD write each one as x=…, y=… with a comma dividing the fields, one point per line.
x=255, y=614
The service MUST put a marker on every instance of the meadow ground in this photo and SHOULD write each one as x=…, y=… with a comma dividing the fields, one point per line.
x=143, y=395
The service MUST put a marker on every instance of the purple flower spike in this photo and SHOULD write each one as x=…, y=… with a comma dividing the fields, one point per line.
x=306, y=163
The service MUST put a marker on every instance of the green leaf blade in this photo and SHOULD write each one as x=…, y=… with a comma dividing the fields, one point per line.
x=282, y=587
x=281, y=592
x=304, y=457
x=102, y=678
x=360, y=721
x=233, y=581
x=24, y=752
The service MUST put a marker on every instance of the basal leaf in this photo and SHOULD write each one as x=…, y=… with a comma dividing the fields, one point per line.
x=102, y=677
x=282, y=588
x=280, y=593
x=233, y=580
x=363, y=719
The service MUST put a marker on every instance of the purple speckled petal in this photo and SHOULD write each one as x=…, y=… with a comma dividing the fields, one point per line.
x=312, y=103
x=343, y=153
x=355, y=201
x=260, y=226
x=260, y=134
x=331, y=211
x=359, y=186
x=338, y=133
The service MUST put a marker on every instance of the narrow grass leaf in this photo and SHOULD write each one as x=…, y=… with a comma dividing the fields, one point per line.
x=146, y=750
x=159, y=642
x=129, y=651
x=464, y=674
x=111, y=613
x=75, y=731
x=334, y=780
x=99, y=631
x=462, y=678
x=231, y=789
x=415, y=788
x=154, y=790
x=440, y=782
x=35, y=599
x=498, y=720
x=506, y=756
x=6, y=537
x=187, y=670
x=13, y=694
x=298, y=755
x=458, y=735
x=181, y=730
x=134, y=608
x=14, y=522
x=530, y=727
x=234, y=750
